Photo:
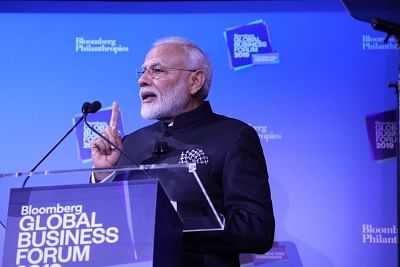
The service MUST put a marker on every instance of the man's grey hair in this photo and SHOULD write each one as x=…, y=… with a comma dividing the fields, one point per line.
x=196, y=59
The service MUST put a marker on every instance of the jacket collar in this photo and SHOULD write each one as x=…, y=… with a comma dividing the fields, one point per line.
x=190, y=117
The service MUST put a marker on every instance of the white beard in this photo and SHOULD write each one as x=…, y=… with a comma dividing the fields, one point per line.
x=169, y=105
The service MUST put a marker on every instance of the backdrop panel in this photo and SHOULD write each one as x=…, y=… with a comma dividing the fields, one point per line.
x=335, y=204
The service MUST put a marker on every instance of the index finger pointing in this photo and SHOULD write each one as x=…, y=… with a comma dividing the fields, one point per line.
x=114, y=115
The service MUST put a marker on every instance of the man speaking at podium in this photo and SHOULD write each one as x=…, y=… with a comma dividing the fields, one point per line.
x=174, y=82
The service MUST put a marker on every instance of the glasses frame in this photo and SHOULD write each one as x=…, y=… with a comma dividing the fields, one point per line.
x=162, y=71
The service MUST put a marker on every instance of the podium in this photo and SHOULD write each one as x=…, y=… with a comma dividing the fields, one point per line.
x=137, y=220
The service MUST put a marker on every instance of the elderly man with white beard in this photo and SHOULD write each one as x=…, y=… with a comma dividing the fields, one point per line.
x=174, y=81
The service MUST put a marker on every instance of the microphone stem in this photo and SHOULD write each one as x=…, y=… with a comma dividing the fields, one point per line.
x=51, y=150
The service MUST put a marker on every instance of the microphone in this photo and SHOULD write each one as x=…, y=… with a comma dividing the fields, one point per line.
x=160, y=147
x=91, y=107
x=86, y=107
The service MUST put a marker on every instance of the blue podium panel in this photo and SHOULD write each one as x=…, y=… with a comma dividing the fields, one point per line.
x=112, y=224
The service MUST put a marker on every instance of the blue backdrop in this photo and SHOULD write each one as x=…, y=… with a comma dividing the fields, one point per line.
x=310, y=109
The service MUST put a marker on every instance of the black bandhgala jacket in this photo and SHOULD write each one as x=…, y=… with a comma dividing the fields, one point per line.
x=234, y=175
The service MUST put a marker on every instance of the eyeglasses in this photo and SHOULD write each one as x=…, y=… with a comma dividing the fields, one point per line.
x=157, y=72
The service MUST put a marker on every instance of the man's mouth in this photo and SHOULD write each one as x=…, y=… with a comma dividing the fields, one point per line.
x=148, y=97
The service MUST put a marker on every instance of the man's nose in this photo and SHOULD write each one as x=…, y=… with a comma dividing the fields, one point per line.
x=145, y=79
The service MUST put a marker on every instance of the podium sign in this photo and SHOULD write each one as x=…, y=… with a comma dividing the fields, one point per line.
x=111, y=224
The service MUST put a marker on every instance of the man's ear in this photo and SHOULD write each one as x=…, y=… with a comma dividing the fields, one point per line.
x=196, y=81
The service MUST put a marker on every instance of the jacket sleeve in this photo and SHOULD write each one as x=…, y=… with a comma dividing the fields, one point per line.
x=249, y=219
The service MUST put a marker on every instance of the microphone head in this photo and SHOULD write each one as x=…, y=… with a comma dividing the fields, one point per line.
x=95, y=106
x=86, y=107
x=160, y=147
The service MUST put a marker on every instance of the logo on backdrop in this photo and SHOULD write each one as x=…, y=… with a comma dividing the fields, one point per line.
x=266, y=134
x=249, y=45
x=84, y=135
x=377, y=43
x=59, y=234
x=382, y=133
x=98, y=45
x=371, y=234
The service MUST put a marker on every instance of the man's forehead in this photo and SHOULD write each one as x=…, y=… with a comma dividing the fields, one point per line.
x=164, y=54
